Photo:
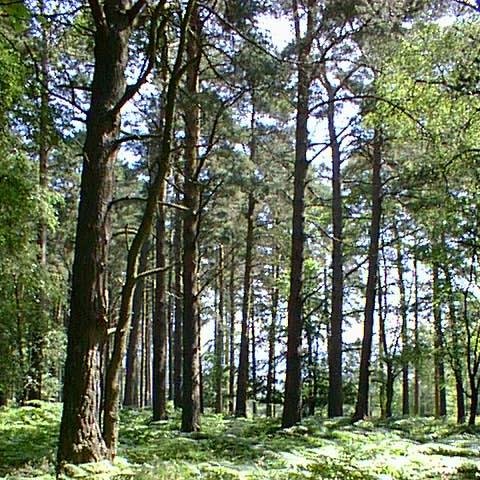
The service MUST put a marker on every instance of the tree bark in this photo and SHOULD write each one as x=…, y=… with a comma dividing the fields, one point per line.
x=440, y=386
x=272, y=338
x=242, y=381
x=404, y=319
x=416, y=373
x=191, y=355
x=231, y=342
x=335, y=342
x=160, y=320
x=455, y=355
x=131, y=397
x=219, y=337
x=80, y=436
x=178, y=336
x=361, y=408
x=292, y=406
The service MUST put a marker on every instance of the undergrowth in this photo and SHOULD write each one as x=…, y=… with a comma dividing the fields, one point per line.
x=247, y=449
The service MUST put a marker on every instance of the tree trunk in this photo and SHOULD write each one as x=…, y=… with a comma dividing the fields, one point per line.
x=242, y=381
x=191, y=355
x=404, y=318
x=131, y=397
x=440, y=386
x=231, y=343
x=177, y=340
x=361, y=408
x=160, y=320
x=456, y=353
x=80, y=436
x=272, y=338
x=292, y=406
x=335, y=342
x=219, y=336
x=34, y=384
x=254, y=355
x=416, y=373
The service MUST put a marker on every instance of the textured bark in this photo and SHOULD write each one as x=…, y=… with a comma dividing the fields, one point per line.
x=335, y=342
x=219, y=335
x=242, y=380
x=80, y=436
x=159, y=328
x=440, y=387
x=131, y=397
x=272, y=338
x=361, y=408
x=292, y=407
x=112, y=384
x=191, y=355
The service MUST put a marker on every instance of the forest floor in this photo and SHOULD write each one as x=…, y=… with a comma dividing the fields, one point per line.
x=252, y=449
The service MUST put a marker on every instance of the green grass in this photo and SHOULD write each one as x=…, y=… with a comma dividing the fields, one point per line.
x=253, y=449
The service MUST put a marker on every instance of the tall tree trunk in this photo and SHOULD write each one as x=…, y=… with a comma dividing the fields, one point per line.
x=292, y=406
x=254, y=355
x=35, y=374
x=170, y=319
x=404, y=319
x=219, y=337
x=272, y=338
x=361, y=408
x=191, y=355
x=80, y=436
x=440, y=386
x=178, y=327
x=131, y=397
x=231, y=343
x=159, y=326
x=242, y=381
x=335, y=342
x=456, y=351
x=416, y=373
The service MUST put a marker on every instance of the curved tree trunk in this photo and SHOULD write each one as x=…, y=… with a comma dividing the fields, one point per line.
x=131, y=397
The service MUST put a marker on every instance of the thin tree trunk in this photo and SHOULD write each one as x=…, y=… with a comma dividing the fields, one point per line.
x=191, y=406
x=242, y=381
x=231, y=355
x=131, y=398
x=170, y=320
x=335, y=342
x=272, y=339
x=292, y=407
x=404, y=318
x=178, y=336
x=219, y=337
x=254, y=355
x=361, y=408
x=416, y=373
x=457, y=365
x=440, y=386
x=159, y=324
